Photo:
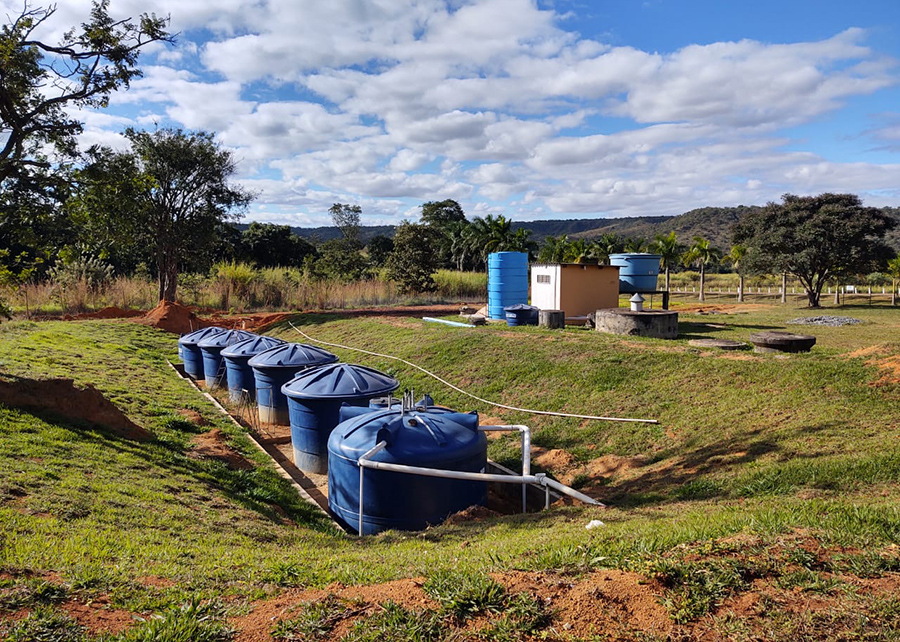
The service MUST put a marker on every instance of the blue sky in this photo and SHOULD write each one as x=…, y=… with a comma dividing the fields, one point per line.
x=547, y=109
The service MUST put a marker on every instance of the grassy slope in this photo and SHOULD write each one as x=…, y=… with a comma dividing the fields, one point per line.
x=754, y=435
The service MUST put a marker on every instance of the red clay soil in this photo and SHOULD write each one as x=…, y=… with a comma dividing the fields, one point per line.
x=599, y=603
x=213, y=445
x=193, y=416
x=61, y=397
x=174, y=317
x=97, y=617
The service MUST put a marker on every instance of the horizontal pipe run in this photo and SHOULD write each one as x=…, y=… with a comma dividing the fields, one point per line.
x=455, y=324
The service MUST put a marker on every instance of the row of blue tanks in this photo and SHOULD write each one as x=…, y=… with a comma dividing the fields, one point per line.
x=337, y=413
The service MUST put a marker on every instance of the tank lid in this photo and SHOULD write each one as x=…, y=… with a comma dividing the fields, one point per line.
x=249, y=347
x=292, y=355
x=227, y=338
x=424, y=437
x=195, y=337
x=635, y=255
x=340, y=381
x=519, y=307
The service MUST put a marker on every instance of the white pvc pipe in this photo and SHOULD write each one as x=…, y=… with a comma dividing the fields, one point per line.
x=455, y=324
x=381, y=445
x=526, y=453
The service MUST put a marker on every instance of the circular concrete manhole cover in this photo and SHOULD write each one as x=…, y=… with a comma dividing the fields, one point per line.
x=774, y=341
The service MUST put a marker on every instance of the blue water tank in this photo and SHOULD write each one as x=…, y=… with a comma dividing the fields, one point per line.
x=638, y=271
x=315, y=397
x=432, y=438
x=521, y=314
x=237, y=371
x=274, y=368
x=190, y=353
x=211, y=350
x=507, y=281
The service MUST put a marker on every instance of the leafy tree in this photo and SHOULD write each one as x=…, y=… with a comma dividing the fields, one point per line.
x=414, y=260
x=669, y=250
x=441, y=214
x=815, y=238
x=346, y=219
x=494, y=234
x=463, y=251
x=736, y=258
x=340, y=259
x=580, y=251
x=270, y=245
x=169, y=193
x=379, y=249
x=554, y=249
x=40, y=82
x=893, y=270
x=701, y=253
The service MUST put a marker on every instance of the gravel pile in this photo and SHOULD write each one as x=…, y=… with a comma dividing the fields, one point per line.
x=825, y=320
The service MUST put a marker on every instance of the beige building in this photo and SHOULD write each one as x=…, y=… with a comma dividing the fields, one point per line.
x=577, y=289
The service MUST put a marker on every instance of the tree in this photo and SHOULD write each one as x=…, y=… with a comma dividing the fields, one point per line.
x=736, y=258
x=554, y=249
x=893, y=270
x=40, y=83
x=669, y=250
x=440, y=214
x=609, y=243
x=379, y=249
x=414, y=260
x=635, y=244
x=346, y=219
x=494, y=234
x=168, y=193
x=580, y=251
x=701, y=253
x=443, y=217
x=815, y=238
x=269, y=245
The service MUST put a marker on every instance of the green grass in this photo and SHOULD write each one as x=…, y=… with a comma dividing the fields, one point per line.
x=762, y=447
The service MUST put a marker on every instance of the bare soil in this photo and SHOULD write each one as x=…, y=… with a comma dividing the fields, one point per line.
x=214, y=445
x=61, y=397
x=97, y=617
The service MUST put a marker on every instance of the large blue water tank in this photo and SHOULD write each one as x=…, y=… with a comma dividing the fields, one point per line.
x=638, y=271
x=433, y=438
x=315, y=397
x=274, y=368
x=211, y=350
x=507, y=281
x=237, y=371
x=190, y=353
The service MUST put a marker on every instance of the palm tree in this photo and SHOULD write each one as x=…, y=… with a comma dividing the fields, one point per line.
x=702, y=253
x=554, y=249
x=893, y=268
x=494, y=234
x=635, y=244
x=736, y=257
x=609, y=243
x=459, y=245
x=669, y=250
x=580, y=251
x=520, y=241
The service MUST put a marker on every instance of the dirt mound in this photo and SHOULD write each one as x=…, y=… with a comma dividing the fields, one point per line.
x=471, y=514
x=554, y=459
x=174, y=317
x=193, y=416
x=213, y=445
x=111, y=312
x=61, y=397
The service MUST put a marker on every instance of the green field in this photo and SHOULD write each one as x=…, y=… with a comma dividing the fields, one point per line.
x=762, y=506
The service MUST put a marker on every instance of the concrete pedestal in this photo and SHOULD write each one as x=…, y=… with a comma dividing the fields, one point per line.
x=659, y=324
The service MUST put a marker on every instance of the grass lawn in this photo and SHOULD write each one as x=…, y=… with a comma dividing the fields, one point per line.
x=762, y=506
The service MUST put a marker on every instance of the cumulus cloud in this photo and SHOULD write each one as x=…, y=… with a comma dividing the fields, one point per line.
x=500, y=104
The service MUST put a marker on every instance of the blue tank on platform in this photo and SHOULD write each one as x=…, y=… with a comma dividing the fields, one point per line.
x=211, y=350
x=638, y=271
x=315, y=398
x=426, y=438
x=507, y=281
x=190, y=352
x=274, y=368
x=238, y=372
